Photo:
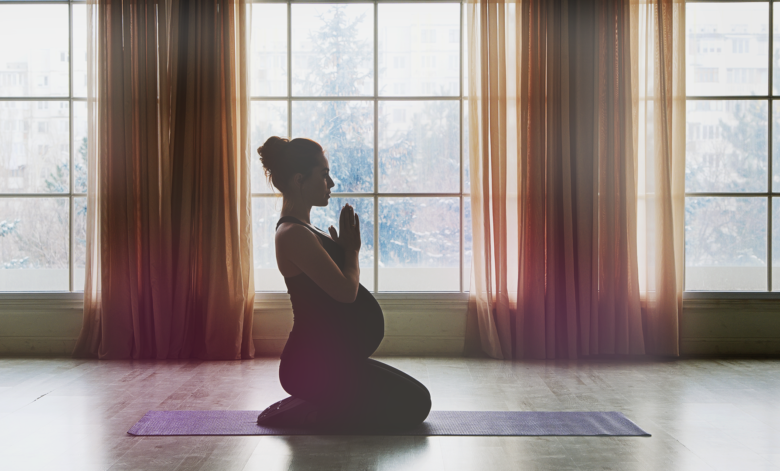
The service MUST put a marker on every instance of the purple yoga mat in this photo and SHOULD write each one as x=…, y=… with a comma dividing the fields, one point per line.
x=490, y=423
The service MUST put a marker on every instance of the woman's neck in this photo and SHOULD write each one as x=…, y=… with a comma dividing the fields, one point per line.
x=296, y=209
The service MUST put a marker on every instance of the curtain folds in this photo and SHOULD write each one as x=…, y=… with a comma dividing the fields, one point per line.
x=554, y=182
x=658, y=71
x=169, y=256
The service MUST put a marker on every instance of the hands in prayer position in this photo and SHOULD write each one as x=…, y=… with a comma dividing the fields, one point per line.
x=348, y=236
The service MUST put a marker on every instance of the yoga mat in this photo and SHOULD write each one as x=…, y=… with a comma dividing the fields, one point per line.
x=490, y=423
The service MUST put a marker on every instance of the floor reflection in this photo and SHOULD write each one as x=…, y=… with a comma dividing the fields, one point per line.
x=370, y=453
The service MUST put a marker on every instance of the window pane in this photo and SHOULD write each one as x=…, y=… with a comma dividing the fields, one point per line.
x=419, y=45
x=775, y=244
x=725, y=244
x=726, y=146
x=80, y=51
x=80, y=146
x=776, y=52
x=269, y=49
x=419, y=147
x=419, y=244
x=727, y=48
x=34, y=50
x=34, y=138
x=265, y=214
x=465, y=149
x=269, y=118
x=33, y=244
x=332, y=50
x=346, y=132
x=79, y=243
x=364, y=207
x=776, y=145
x=467, y=243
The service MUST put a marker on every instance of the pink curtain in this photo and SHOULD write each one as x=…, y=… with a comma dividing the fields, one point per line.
x=169, y=272
x=554, y=179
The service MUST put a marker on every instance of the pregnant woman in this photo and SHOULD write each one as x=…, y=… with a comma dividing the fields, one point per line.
x=325, y=365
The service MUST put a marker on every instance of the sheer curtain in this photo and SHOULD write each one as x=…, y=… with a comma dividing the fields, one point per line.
x=658, y=60
x=169, y=256
x=553, y=178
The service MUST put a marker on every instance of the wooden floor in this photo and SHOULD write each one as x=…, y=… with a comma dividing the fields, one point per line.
x=60, y=414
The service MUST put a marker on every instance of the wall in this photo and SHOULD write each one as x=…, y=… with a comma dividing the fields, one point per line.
x=730, y=327
x=415, y=324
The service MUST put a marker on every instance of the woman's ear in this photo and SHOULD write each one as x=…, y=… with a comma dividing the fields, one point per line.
x=297, y=180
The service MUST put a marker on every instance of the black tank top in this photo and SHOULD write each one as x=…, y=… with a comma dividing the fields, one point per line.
x=326, y=327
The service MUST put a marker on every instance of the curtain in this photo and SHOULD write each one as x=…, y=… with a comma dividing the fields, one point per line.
x=169, y=256
x=658, y=77
x=553, y=177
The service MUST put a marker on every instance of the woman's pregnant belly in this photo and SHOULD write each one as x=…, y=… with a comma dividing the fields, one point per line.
x=368, y=321
x=325, y=327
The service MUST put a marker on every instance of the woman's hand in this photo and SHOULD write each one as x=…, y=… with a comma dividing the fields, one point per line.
x=348, y=236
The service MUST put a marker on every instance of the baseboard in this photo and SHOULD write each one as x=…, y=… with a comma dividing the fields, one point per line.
x=402, y=346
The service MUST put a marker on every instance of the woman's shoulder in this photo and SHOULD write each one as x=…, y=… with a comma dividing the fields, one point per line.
x=294, y=233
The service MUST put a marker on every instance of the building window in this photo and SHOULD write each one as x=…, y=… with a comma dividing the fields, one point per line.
x=428, y=36
x=732, y=176
x=390, y=122
x=706, y=74
x=740, y=46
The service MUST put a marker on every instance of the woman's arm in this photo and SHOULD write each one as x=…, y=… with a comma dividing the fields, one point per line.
x=301, y=247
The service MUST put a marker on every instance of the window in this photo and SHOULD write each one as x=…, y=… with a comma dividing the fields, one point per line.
x=386, y=106
x=732, y=176
x=388, y=131
x=42, y=173
x=746, y=75
x=399, y=62
x=706, y=74
x=740, y=46
x=428, y=62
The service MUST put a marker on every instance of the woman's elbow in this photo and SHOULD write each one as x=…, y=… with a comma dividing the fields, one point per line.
x=347, y=296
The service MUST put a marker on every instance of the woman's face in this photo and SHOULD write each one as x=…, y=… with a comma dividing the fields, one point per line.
x=316, y=188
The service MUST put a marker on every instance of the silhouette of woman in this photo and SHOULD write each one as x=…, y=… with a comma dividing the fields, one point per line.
x=325, y=365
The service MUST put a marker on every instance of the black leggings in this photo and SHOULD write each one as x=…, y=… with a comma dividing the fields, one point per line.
x=361, y=395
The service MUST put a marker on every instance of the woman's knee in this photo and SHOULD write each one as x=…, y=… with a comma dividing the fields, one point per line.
x=423, y=404
x=415, y=405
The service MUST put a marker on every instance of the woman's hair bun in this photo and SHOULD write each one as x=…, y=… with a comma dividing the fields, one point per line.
x=272, y=153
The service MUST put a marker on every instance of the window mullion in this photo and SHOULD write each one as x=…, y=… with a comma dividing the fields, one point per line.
x=770, y=50
x=376, y=147
x=460, y=145
x=70, y=149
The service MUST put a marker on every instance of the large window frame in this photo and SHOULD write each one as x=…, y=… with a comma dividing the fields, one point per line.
x=72, y=194
x=769, y=98
x=376, y=99
x=462, y=195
